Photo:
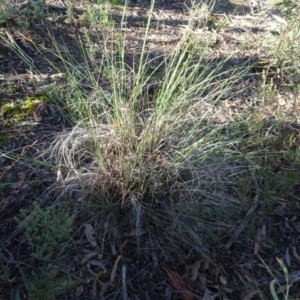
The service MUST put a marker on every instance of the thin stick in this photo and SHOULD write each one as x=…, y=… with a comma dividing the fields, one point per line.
x=124, y=282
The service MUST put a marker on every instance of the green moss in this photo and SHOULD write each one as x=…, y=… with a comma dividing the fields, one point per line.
x=12, y=89
x=11, y=109
x=30, y=105
x=38, y=97
x=22, y=108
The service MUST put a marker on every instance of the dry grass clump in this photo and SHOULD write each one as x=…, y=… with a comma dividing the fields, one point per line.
x=156, y=154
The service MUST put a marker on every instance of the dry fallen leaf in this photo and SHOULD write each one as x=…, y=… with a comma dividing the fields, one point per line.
x=137, y=232
x=195, y=270
x=97, y=263
x=178, y=284
x=155, y=262
x=296, y=255
x=203, y=280
x=207, y=295
x=249, y=294
x=20, y=183
x=88, y=257
x=104, y=289
x=256, y=248
x=223, y=280
x=21, y=177
x=114, y=270
x=79, y=291
x=89, y=231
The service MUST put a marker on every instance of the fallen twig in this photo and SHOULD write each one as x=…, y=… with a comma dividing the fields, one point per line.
x=49, y=5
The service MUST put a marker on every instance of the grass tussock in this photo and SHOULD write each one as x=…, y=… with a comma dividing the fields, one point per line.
x=159, y=154
x=154, y=152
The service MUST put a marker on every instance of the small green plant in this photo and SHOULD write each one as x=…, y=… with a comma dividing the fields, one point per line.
x=284, y=53
x=275, y=281
x=288, y=8
x=97, y=15
x=34, y=10
x=70, y=10
x=6, y=12
x=48, y=286
x=268, y=90
x=12, y=89
x=45, y=228
x=283, y=284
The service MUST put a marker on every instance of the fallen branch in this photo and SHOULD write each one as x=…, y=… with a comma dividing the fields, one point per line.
x=48, y=5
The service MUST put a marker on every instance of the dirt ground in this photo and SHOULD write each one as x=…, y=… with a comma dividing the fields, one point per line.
x=25, y=134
